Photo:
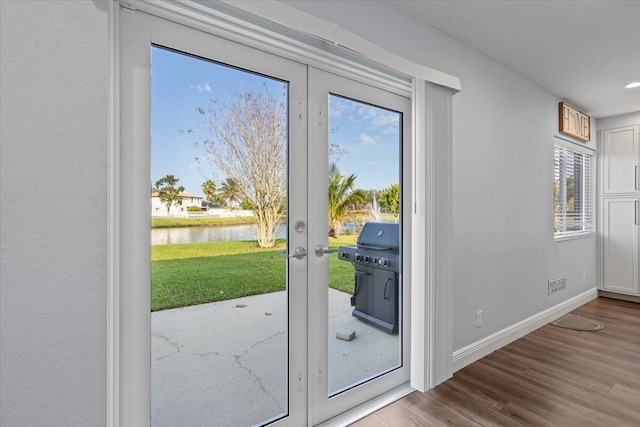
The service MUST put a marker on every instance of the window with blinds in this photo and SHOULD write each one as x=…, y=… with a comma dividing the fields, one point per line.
x=573, y=199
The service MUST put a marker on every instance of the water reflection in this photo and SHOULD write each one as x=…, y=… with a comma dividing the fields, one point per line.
x=164, y=236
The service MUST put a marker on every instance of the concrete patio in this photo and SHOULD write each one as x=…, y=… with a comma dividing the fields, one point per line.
x=224, y=364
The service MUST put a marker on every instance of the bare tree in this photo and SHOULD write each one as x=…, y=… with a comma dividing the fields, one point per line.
x=246, y=139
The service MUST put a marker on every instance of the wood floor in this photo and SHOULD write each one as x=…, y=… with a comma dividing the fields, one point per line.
x=551, y=377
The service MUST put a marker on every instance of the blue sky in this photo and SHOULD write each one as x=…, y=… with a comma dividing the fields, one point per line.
x=180, y=84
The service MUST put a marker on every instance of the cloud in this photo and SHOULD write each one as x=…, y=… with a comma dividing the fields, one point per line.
x=205, y=88
x=366, y=139
x=367, y=112
x=377, y=117
x=386, y=118
x=338, y=107
x=359, y=114
x=391, y=130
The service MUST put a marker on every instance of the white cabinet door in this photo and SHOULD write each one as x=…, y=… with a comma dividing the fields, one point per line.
x=620, y=160
x=620, y=239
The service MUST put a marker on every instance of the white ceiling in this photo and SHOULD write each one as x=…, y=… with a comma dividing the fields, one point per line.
x=584, y=52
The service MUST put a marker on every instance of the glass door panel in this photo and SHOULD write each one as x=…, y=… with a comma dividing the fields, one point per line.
x=360, y=344
x=219, y=321
x=365, y=334
x=227, y=326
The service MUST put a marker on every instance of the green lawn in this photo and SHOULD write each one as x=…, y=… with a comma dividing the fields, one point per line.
x=196, y=273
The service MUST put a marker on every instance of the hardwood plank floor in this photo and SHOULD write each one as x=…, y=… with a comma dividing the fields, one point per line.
x=551, y=377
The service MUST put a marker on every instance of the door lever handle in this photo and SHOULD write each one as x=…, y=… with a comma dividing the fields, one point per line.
x=298, y=253
x=321, y=250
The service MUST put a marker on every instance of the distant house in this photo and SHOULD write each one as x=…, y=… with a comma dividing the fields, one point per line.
x=206, y=206
x=160, y=209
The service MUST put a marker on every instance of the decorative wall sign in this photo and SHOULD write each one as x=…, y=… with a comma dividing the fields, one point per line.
x=574, y=122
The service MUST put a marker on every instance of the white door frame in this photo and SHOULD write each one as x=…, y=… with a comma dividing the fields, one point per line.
x=431, y=93
x=321, y=84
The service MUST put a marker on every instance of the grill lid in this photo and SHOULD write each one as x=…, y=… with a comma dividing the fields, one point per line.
x=380, y=235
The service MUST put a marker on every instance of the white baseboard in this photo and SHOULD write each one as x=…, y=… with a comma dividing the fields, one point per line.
x=619, y=296
x=469, y=354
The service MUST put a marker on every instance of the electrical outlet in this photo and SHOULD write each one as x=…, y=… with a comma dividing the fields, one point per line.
x=479, y=319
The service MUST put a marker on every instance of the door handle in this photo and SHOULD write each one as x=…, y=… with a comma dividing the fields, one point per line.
x=321, y=250
x=298, y=253
x=385, y=295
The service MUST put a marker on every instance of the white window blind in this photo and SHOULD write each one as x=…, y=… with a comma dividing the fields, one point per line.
x=573, y=200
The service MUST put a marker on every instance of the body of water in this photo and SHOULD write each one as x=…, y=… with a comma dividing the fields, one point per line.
x=165, y=236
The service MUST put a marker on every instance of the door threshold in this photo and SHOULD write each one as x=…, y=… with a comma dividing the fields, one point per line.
x=369, y=407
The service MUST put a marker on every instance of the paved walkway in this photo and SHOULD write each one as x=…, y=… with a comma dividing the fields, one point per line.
x=224, y=364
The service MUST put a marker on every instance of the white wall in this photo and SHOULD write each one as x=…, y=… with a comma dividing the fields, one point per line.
x=618, y=121
x=503, y=129
x=54, y=153
x=53, y=351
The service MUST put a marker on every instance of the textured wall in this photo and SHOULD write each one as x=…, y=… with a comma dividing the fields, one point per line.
x=53, y=213
x=503, y=129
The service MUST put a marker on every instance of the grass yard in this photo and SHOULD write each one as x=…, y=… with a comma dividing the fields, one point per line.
x=196, y=273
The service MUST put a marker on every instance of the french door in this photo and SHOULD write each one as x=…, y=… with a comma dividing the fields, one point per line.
x=358, y=130
x=190, y=362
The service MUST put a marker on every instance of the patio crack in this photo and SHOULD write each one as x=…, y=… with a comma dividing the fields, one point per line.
x=171, y=343
x=250, y=371
x=235, y=357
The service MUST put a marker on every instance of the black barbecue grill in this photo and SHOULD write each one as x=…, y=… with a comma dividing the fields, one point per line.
x=376, y=259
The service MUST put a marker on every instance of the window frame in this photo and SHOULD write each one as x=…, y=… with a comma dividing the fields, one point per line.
x=588, y=212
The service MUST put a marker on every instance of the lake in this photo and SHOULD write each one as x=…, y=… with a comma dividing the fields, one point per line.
x=165, y=236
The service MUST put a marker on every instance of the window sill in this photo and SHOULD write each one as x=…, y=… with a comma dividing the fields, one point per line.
x=574, y=236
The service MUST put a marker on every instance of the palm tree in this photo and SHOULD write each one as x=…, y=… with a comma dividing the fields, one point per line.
x=228, y=193
x=209, y=190
x=341, y=197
